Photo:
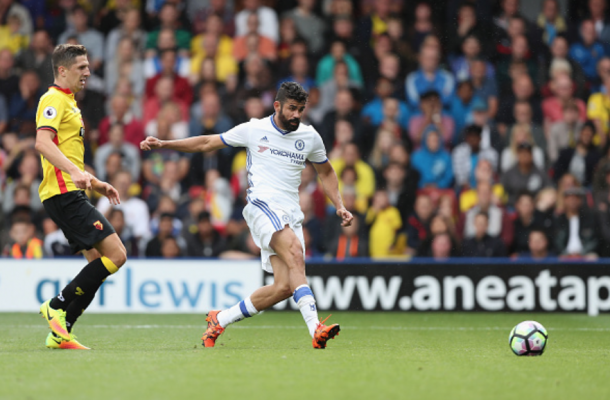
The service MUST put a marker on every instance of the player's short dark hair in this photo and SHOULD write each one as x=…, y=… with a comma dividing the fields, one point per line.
x=65, y=55
x=291, y=91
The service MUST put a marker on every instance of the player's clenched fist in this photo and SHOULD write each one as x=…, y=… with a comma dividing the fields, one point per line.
x=150, y=143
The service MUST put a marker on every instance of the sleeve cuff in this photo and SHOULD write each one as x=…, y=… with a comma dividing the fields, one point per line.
x=46, y=128
x=319, y=162
x=224, y=141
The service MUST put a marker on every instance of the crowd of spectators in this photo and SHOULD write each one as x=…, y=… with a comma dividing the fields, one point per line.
x=456, y=127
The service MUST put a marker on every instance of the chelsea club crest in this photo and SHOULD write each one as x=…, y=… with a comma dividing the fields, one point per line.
x=299, y=144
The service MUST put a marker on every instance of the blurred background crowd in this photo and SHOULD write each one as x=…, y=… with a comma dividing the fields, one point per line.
x=467, y=128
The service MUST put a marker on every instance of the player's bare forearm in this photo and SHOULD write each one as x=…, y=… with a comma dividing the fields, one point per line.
x=50, y=151
x=330, y=183
x=197, y=144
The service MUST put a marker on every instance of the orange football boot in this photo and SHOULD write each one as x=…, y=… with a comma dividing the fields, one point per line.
x=324, y=333
x=214, y=330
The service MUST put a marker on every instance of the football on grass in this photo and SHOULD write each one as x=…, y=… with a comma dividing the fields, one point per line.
x=528, y=339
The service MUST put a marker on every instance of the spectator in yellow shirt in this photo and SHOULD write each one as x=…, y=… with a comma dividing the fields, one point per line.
x=10, y=38
x=384, y=222
x=598, y=110
x=365, y=184
x=213, y=43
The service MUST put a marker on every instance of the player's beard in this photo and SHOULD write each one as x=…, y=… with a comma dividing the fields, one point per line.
x=289, y=125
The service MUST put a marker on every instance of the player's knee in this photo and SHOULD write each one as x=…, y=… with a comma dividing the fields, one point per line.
x=283, y=290
x=296, y=254
x=119, y=257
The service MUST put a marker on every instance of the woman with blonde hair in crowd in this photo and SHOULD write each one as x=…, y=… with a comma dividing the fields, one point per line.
x=520, y=133
x=379, y=156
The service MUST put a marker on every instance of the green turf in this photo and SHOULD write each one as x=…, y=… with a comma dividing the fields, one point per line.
x=377, y=355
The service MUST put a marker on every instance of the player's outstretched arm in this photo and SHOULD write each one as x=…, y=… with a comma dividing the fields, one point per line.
x=51, y=153
x=330, y=183
x=197, y=144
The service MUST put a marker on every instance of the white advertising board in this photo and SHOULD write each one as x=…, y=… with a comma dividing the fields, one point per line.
x=140, y=286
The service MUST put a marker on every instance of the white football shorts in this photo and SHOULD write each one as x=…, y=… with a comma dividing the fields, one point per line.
x=264, y=218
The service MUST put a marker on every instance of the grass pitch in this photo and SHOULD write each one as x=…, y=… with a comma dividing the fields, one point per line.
x=377, y=356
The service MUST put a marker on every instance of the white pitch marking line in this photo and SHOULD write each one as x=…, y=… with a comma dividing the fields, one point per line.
x=391, y=328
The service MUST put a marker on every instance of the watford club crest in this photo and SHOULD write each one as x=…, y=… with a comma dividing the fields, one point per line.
x=98, y=225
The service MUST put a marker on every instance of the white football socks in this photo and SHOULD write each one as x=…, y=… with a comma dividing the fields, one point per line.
x=241, y=310
x=307, y=304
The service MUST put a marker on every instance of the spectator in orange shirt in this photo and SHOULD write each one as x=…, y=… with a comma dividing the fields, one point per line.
x=253, y=41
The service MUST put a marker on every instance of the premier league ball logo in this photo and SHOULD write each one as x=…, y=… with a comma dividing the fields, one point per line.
x=299, y=144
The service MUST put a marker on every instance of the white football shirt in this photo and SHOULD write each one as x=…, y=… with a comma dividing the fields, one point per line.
x=275, y=158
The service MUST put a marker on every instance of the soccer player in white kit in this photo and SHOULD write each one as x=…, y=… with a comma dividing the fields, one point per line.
x=277, y=148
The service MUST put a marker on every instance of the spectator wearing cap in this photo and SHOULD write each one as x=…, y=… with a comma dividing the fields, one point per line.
x=429, y=77
x=580, y=160
x=521, y=133
x=433, y=162
x=482, y=244
x=577, y=230
x=588, y=51
x=467, y=154
x=525, y=175
x=432, y=117
x=206, y=241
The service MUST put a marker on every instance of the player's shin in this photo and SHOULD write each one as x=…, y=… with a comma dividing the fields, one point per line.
x=87, y=282
x=307, y=304
x=241, y=310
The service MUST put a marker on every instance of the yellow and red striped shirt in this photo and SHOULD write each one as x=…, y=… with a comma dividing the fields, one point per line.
x=57, y=112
